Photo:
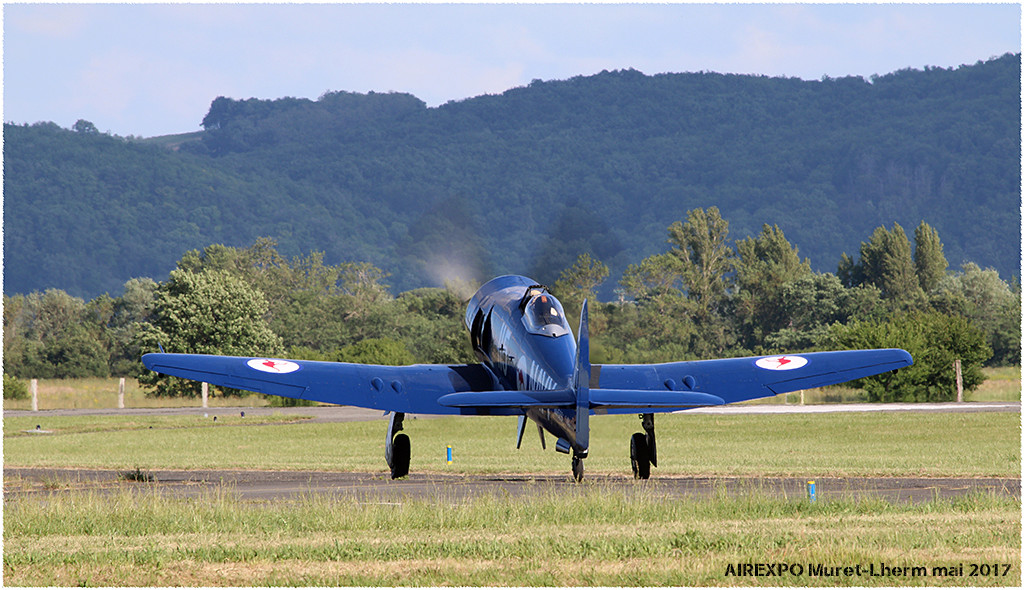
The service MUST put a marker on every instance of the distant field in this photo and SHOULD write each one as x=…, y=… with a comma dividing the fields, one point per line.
x=98, y=393
x=1002, y=384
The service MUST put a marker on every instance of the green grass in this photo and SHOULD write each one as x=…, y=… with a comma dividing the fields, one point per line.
x=813, y=445
x=585, y=536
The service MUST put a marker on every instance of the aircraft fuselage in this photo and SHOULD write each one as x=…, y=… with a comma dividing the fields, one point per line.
x=522, y=352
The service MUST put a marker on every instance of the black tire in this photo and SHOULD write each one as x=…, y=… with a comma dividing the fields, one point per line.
x=401, y=450
x=640, y=456
x=577, y=468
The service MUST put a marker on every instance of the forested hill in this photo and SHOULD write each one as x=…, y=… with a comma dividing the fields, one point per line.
x=525, y=181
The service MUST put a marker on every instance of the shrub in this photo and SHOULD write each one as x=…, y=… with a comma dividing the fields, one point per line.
x=935, y=340
x=14, y=388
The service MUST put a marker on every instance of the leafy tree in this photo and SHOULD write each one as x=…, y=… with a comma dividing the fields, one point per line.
x=132, y=309
x=656, y=276
x=578, y=283
x=863, y=303
x=706, y=263
x=49, y=335
x=989, y=302
x=655, y=331
x=581, y=280
x=365, y=283
x=885, y=262
x=376, y=351
x=928, y=258
x=810, y=305
x=430, y=322
x=86, y=127
x=766, y=265
x=77, y=354
x=659, y=326
x=935, y=340
x=310, y=303
x=850, y=273
x=210, y=312
x=706, y=260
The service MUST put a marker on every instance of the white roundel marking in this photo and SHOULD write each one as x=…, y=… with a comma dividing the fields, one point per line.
x=273, y=366
x=781, y=363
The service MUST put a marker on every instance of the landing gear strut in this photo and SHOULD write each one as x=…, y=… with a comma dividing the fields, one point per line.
x=643, y=451
x=397, y=448
x=577, y=467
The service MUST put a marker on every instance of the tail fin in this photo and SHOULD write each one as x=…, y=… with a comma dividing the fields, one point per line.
x=581, y=383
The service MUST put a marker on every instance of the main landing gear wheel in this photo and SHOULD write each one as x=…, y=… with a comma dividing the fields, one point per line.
x=577, y=468
x=401, y=450
x=639, y=456
x=397, y=447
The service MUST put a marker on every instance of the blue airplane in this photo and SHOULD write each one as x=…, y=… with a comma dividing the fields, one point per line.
x=531, y=367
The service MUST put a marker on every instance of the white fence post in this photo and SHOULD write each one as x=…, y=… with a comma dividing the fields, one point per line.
x=34, y=387
x=206, y=394
x=959, y=381
x=120, y=394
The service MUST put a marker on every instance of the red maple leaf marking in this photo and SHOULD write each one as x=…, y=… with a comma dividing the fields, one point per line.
x=783, y=360
x=270, y=364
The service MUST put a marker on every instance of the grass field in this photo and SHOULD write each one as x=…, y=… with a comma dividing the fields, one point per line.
x=588, y=536
x=928, y=444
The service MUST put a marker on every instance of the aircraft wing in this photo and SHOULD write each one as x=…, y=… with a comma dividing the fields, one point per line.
x=411, y=389
x=740, y=379
x=472, y=389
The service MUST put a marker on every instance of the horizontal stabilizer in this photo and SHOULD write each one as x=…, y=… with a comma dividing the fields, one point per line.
x=559, y=398
x=631, y=398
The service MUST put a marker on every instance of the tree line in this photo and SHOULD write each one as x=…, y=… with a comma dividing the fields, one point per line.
x=704, y=297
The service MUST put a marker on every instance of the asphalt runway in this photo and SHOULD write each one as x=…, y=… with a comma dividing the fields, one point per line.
x=264, y=486
x=268, y=486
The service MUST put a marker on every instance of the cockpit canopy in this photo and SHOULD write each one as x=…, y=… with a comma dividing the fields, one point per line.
x=543, y=315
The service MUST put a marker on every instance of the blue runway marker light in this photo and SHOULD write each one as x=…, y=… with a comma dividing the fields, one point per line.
x=811, y=492
x=449, y=454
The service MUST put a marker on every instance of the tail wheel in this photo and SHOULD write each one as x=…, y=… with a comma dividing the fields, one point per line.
x=577, y=468
x=401, y=451
x=640, y=456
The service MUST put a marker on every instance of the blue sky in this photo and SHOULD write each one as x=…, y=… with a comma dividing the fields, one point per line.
x=153, y=69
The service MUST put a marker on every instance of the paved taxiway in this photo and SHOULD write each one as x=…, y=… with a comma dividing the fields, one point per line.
x=377, y=487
